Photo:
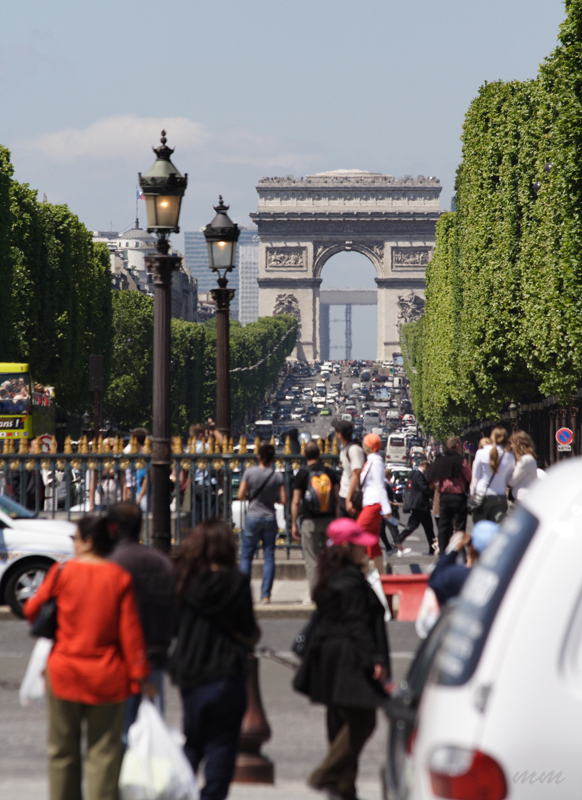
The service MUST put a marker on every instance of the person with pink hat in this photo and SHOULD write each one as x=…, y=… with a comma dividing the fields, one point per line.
x=346, y=662
x=375, y=503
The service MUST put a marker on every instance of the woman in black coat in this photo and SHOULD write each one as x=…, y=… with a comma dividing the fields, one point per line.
x=346, y=662
x=216, y=629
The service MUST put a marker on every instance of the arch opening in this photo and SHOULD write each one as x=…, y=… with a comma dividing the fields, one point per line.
x=348, y=329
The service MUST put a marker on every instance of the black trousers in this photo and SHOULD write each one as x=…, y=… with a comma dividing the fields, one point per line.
x=453, y=517
x=494, y=508
x=348, y=729
x=418, y=517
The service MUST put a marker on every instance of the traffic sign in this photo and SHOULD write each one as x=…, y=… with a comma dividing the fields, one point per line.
x=564, y=436
x=564, y=448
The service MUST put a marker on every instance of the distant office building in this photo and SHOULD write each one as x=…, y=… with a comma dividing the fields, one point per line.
x=248, y=274
x=196, y=255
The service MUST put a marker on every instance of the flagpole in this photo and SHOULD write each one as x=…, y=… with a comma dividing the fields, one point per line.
x=136, y=214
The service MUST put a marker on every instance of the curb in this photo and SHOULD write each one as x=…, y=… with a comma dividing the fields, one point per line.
x=284, y=611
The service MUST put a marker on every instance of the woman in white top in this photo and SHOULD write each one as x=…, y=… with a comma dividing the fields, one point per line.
x=375, y=503
x=526, y=468
x=492, y=471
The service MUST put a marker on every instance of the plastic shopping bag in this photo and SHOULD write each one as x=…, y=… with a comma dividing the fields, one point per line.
x=373, y=578
x=428, y=613
x=154, y=766
x=33, y=685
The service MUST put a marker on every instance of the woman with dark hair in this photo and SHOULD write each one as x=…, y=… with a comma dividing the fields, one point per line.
x=216, y=630
x=97, y=661
x=346, y=662
x=450, y=476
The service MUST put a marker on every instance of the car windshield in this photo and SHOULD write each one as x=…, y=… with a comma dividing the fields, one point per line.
x=14, y=509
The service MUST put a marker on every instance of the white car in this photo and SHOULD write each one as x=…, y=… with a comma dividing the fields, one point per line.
x=500, y=714
x=28, y=549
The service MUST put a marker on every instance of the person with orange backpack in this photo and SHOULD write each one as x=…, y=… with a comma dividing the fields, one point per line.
x=316, y=501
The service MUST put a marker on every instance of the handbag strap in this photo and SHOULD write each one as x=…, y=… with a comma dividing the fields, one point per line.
x=261, y=487
x=493, y=474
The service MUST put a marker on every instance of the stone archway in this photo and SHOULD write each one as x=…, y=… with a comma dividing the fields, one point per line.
x=303, y=223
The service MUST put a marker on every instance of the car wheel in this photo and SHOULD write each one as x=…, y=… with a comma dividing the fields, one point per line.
x=24, y=582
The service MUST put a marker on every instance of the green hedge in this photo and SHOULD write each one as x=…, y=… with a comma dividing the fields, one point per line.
x=56, y=290
x=503, y=316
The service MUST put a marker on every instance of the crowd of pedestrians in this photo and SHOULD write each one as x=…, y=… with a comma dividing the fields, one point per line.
x=121, y=604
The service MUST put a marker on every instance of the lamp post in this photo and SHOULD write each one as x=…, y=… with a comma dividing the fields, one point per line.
x=221, y=237
x=163, y=187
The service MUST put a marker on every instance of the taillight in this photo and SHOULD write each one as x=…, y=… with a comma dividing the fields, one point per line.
x=457, y=773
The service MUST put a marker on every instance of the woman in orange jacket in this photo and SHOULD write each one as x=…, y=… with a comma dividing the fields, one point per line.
x=97, y=661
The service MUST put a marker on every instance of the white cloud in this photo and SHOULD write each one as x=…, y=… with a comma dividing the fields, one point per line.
x=120, y=136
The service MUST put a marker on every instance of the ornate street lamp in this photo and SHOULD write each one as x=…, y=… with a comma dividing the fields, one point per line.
x=163, y=187
x=221, y=237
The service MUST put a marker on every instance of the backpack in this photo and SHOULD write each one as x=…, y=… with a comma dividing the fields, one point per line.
x=319, y=497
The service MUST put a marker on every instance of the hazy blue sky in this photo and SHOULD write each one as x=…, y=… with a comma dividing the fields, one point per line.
x=247, y=89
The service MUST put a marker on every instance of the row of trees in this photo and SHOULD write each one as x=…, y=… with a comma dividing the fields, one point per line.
x=55, y=298
x=57, y=308
x=503, y=317
x=193, y=370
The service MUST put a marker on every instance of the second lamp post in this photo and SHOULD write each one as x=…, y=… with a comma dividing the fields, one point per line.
x=221, y=237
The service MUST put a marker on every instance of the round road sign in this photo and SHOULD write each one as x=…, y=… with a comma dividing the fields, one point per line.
x=564, y=436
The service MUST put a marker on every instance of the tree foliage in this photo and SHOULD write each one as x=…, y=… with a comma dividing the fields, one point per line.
x=56, y=290
x=504, y=290
x=193, y=369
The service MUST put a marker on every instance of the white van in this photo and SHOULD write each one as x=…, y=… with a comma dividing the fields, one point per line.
x=371, y=420
x=503, y=702
x=396, y=450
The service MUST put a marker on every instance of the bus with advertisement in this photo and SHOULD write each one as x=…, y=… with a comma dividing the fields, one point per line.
x=27, y=410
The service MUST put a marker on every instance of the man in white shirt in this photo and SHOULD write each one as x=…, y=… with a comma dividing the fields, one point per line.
x=352, y=459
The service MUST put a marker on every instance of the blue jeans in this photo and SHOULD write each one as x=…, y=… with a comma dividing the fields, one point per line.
x=133, y=701
x=213, y=715
x=260, y=529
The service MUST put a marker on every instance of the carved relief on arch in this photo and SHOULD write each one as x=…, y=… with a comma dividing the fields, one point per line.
x=323, y=252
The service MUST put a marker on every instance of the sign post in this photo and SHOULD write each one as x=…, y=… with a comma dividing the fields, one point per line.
x=564, y=438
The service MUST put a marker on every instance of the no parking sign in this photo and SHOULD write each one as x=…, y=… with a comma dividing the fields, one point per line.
x=564, y=438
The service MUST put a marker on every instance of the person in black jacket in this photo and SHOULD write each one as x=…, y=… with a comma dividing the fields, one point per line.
x=154, y=582
x=216, y=630
x=419, y=504
x=346, y=660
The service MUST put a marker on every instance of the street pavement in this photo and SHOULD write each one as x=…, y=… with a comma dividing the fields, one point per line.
x=297, y=743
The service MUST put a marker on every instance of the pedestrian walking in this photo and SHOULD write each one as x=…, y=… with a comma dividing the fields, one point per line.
x=453, y=475
x=525, y=471
x=492, y=471
x=154, y=582
x=262, y=486
x=316, y=500
x=98, y=660
x=346, y=661
x=352, y=459
x=419, y=503
x=216, y=630
x=375, y=503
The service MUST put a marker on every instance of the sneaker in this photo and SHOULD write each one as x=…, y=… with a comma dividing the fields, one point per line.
x=393, y=552
x=265, y=600
x=404, y=552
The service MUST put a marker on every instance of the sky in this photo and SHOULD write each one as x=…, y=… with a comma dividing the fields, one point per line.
x=247, y=89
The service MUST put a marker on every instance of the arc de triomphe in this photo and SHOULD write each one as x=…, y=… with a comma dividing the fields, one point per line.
x=303, y=222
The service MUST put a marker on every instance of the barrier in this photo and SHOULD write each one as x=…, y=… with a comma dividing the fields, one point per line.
x=410, y=590
x=78, y=481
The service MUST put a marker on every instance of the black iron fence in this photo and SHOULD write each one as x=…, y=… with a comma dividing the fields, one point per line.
x=205, y=485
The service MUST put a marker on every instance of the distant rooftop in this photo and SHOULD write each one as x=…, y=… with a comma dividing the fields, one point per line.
x=350, y=176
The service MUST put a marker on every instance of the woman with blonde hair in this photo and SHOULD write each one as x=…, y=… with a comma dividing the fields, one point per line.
x=492, y=471
x=525, y=471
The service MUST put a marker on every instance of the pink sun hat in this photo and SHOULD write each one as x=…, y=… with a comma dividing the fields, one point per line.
x=344, y=530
